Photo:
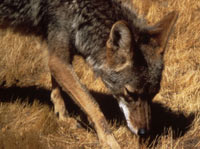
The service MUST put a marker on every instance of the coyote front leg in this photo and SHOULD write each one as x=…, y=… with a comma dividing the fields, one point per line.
x=68, y=80
x=56, y=98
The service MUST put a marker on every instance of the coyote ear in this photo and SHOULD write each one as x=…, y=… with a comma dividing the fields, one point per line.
x=160, y=31
x=120, y=37
x=118, y=46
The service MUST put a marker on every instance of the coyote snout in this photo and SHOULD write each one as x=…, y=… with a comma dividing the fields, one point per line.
x=136, y=107
x=137, y=112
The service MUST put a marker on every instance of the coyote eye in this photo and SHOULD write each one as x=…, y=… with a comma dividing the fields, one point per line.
x=130, y=96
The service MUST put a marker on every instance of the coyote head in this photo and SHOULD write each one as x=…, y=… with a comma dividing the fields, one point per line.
x=134, y=67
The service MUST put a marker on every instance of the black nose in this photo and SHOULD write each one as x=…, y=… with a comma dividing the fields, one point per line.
x=142, y=132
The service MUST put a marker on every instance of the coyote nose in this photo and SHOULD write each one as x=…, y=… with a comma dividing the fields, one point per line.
x=142, y=132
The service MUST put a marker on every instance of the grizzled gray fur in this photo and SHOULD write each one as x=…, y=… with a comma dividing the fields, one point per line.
x=85, y=24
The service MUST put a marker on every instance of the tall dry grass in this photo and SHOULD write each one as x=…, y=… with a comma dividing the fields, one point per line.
x=23, y=63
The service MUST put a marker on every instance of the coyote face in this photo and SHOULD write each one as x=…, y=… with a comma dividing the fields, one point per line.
x=138, y=115
x=134, y=67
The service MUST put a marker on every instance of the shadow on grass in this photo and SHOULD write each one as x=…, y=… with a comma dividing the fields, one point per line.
x=28, y=94
x=162, y=118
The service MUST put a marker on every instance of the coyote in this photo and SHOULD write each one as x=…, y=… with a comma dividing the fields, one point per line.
x=125, y=52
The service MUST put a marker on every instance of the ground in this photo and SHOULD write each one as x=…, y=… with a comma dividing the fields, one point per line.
x=26, y=114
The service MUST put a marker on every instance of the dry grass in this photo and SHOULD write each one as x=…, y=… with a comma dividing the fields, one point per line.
x=25, y=123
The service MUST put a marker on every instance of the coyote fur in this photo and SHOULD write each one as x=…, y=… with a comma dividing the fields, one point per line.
x=121, y=49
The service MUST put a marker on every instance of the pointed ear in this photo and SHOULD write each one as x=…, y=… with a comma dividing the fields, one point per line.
x=120, y=37
x=118, y=46
x=160, y=32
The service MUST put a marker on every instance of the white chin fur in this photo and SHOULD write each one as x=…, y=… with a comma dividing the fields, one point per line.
x=126, y=112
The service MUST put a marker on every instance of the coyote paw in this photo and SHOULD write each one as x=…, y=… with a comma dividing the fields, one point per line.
x=109, y=142
x=72, y=122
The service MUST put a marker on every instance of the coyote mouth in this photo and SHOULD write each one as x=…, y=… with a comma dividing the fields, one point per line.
x=126, y=112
